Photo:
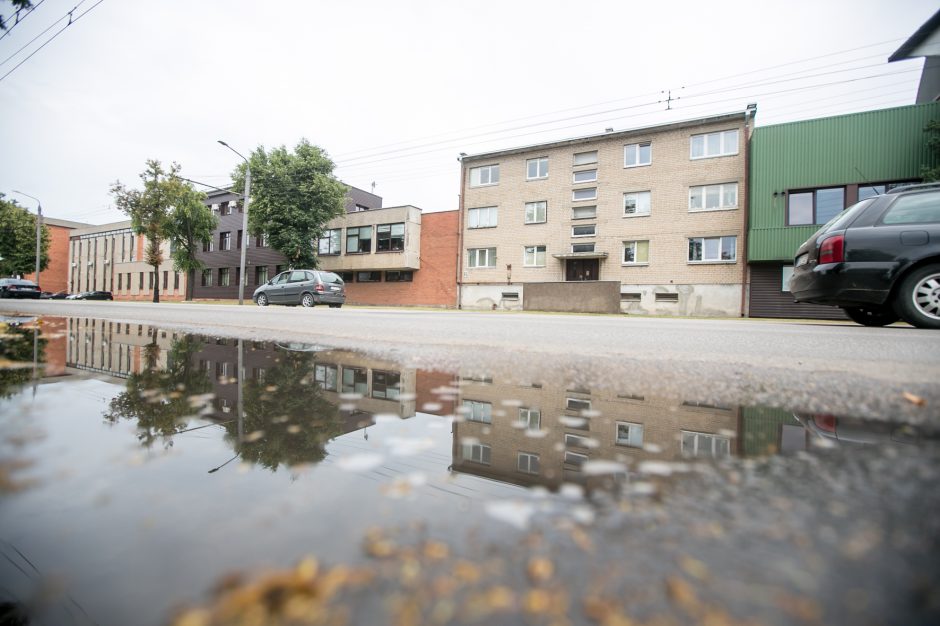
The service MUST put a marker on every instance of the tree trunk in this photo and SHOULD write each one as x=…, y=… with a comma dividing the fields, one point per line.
x=156, y=283
x=190, y=284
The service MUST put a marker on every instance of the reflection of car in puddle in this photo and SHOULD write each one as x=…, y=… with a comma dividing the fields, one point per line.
x=859, y=431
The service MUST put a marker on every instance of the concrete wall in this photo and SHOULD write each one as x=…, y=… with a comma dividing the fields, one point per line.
x=573, y=297
x=492, y=297
x=688, y=300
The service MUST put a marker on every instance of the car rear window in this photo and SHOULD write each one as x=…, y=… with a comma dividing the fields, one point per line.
x=330, y=277
x=846, y=217
x=918, y=208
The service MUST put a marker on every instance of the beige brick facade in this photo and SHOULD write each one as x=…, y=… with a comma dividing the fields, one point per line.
x=703, y=288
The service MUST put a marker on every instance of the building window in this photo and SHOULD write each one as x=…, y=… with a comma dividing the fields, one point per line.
x=476, y=453
x=579, y=195
x=785, y=275
x=238, y=241
x=582, y=247
x=636, y=154
x=176, y=280
x=536, y=168
x=636, y=252
x=483, y=217
x=867, y=191
x=577, y=404
x=208, y=246
x=120, y=276
x=149, y=280
x=637, y=203
x=575, y=459
x=359, y=240
x=399, y=276
x=588, y=230
x=476, y=411
x=584, y=212
x=536, y=212
x=359, y=208
x=585, y=176
x=481, y=257
x=261, y=274
x=368, y=277
x=128, y=281
x=713, y=197
x=712, y=249
x=166, y=280
x=629, y=434
x=329, y=242
x=326, y=376
x=704, y=445
x=347, y=277
x=390, y=237
x=386, y=385
x=486, y=175
x=710, y=145
x=528, y=463
x=817, y=206
x=530, y=419
x=355, y=380
x=226, y=208
x=585, y=158
x=534, y=256
x=261, y=241
x=206, y=278
x=224, y=277
x=225, y=241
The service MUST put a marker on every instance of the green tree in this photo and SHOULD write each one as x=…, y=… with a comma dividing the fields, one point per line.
x=149, y=210
x=293, y=196
x=18, y=240
x=21, y=7
x=931, y=174
x=190, y=225
x=16, y=353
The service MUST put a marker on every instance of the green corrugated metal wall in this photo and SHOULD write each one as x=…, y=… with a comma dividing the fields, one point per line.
x=883, y=145
x=760, y=431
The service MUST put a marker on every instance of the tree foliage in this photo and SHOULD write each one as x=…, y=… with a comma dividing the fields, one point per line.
x=293, y=196
x=931, y=173
x=16, y=353
x=21, y=5
x=18, y=240
x=190, y=225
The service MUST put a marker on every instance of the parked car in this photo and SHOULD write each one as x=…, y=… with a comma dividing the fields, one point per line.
x=879, y=260
x=19, y=288
x=305, y=287
x=58, y=295
x=91, y=295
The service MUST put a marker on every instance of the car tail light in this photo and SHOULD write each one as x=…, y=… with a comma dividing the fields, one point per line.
x=832, y=250
x=825, y=422
x=318, y=288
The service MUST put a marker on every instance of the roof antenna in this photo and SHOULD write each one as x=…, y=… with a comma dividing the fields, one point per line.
x=865, y=180
x=373, y=187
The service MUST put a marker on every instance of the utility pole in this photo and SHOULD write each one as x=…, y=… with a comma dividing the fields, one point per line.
x=243, y=278
x=38, y=229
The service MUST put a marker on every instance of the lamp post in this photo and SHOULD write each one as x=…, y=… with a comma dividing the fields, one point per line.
x=38, y=228
x=242, y=277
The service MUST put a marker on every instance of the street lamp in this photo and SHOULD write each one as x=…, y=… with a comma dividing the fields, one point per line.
x=38, y=228
x=241, y=282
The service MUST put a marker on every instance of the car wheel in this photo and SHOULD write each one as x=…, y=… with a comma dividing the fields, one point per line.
x=871, y=316
x=262, y=300
x=307, y=300
x=918, y=299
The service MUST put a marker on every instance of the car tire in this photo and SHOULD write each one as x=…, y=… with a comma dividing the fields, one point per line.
x=335, y=306
x=918, y=298
x=307, y=300
x=871, y=316
x=262, y=300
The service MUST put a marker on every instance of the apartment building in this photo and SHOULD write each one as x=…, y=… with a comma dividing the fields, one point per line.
x=386, y=255
x=648, y=220
x=55, y=277
x=110, y=257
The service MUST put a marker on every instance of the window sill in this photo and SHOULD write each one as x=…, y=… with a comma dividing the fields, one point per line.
x=635, y=264
x=532, y=266
x=357, y=253
x=725, y=208
x=712, y=262
x=628, y=167
x=389, y=251
x=536, y=178
x=636, y=214
x=583, y=236
x=485, y=185
x=713, y=156
x=480, y=227
x=594, y=199
x=535, y=223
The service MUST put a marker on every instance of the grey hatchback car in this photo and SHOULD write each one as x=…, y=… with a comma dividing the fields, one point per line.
x=304, y=287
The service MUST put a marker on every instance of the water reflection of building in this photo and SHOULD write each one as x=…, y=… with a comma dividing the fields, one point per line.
x=114, y=348
x=534, y=435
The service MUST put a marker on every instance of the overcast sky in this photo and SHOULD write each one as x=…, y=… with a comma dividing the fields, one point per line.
x=394, y=91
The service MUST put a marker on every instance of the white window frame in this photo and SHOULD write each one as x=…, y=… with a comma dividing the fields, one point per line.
x=724, y=144
x=476, y=216
x=575, y=458
x=532, y=418
x=525, y=462
x=530, y=256
x=536, y=207
x=488, y=255
x=476, y=453
x=592, y=216
x=541, y=168
x=593, y=228
x=623, y=257
x=634, y=149
x=583, y=245
x=575, y=192
x=629, y=441
x=637, y=195
x=724, y=190
x=587, y=158
x=720, y=239
x=699, y=441
x=477, y=174
x=478, y=411
x=569, y=402
x=591, y=176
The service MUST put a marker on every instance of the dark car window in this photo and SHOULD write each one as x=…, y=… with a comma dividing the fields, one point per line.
x=310, y=276
x=281, y=278
x=917, y=208
x=846, y=217
x=298, y=276
x=330, y=277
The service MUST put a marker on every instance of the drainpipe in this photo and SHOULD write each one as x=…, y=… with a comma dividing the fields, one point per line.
x=749, y=114
x=460, y=211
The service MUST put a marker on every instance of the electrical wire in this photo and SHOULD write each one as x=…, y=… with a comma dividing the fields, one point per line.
x=20, y=19
x=30, y=42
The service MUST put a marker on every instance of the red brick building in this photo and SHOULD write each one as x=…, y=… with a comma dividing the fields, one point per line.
x=56, y=275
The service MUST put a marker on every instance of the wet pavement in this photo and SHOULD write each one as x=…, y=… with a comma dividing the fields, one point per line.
x=150, y=476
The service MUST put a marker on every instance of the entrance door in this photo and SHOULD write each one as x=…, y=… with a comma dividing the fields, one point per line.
x=582, y=269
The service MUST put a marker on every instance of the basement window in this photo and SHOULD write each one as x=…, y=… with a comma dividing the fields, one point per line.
x=667, y=297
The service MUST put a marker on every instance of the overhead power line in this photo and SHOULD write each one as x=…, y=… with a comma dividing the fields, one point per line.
x=19, y=18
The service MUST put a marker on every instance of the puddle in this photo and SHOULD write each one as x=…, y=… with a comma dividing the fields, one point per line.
x=140, y=468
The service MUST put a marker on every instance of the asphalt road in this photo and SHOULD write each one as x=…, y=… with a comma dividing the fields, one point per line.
x=891, y=373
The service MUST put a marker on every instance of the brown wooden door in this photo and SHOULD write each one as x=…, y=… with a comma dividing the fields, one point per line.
x=582, y=269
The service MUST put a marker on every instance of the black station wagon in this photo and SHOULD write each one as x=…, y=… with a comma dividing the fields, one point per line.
x=879, y=260
x=304, y=287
